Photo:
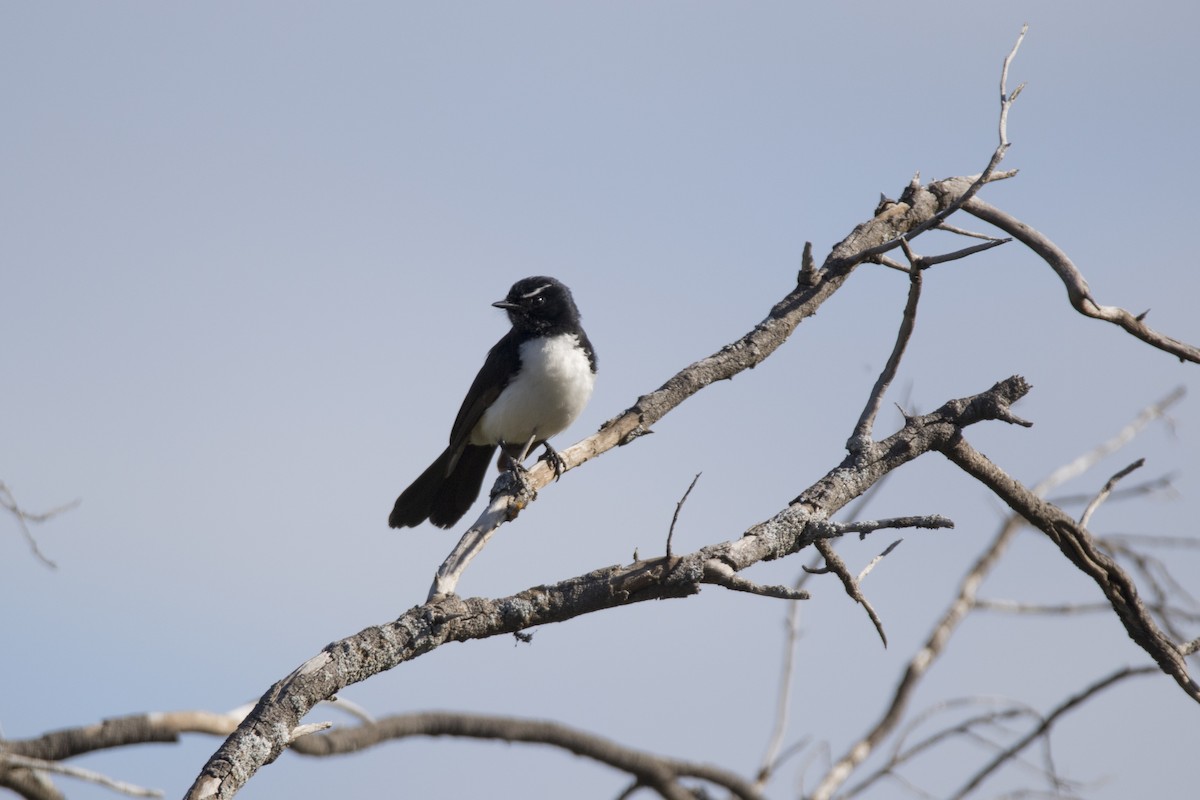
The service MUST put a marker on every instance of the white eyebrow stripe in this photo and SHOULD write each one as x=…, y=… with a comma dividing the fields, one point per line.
x=536, y=291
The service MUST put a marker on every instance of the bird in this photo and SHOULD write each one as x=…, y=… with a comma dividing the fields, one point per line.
x=533, y=384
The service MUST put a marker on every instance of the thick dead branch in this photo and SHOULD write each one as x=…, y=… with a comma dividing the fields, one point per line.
x=1074, y=542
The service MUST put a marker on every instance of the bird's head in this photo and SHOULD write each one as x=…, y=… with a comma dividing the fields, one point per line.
x=539, y=304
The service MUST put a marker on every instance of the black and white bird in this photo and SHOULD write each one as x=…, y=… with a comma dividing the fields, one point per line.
x=533, y=384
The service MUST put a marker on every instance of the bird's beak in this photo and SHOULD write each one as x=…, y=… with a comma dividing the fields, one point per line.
x=505, y=304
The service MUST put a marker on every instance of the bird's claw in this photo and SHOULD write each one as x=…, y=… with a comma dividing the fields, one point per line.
x=556, y=461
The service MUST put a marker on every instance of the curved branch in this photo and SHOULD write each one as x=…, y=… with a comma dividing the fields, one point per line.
x=1078, y=291
x=657, y=772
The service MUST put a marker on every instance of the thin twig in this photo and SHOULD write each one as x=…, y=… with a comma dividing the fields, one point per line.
x=890, y=263
x=1086, y=516
x=783, y=697
x=835, y=565
x=1163, y=483
x=863, y=527
x=720, y=573
x=867, y=569
x=948, y=228
x=861, y=437
x=1069, y=609
x=1086, y=461
x=675, y=516
x=903, y=752
x=10, y=504
x=989, y=173
x=11, y=760
x=1049, y=720
x=925, y=262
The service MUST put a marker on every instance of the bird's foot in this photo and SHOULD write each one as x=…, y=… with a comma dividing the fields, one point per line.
x=556, y=461
x=516, y=467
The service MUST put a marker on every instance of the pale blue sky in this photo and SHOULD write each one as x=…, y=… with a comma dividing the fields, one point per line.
x=247, y=258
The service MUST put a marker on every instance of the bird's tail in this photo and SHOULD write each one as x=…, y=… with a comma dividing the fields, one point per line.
x=444, y=491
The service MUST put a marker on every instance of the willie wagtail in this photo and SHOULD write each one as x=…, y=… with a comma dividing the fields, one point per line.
x=533, y=384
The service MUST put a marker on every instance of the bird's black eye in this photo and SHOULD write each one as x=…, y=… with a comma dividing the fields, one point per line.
x=539, y=300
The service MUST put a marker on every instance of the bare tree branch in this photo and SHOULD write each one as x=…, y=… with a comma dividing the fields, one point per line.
x=1069, y=609
x=268, y=730
x=1106, y=490
x=925, y=262
x=1078, y=291
x=938, y=638
x=966, y=599
x=660, y=773
x=917, y=205
x=1047, y=722
x=30, y=784
x=678, y=508
x=834, y=564
x=871, y=564
x=866, y=421
x=23, y=517
x=989, y=173
x=10, y=761
x=1077, y=545
x=863, y=527
x=265, y=732
x=771, y=756
x=903, y=752
x=723, y=575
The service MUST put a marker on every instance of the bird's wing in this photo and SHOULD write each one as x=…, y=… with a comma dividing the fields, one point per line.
x=501, y=362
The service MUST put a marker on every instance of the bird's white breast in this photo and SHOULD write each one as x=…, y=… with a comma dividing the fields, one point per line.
x=549, y=392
